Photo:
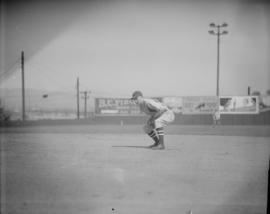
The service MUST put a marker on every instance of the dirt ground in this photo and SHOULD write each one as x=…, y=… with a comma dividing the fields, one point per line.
x=75, y=171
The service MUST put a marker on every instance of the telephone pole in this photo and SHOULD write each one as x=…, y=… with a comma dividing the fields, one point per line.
x=249, y=90
x=23, y=89
x=78, y=98
x=85, y=97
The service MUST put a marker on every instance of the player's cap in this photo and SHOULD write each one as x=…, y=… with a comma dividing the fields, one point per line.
x=136, y=94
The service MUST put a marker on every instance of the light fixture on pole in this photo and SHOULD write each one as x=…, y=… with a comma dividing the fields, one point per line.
x=218, y=32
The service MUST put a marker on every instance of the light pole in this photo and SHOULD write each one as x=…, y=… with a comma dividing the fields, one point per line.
x=217, y=32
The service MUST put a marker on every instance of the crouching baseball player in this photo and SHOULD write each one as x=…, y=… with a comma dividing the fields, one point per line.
x=160, y=116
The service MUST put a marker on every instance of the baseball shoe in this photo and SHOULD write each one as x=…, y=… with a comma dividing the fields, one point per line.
x=155, y=144
x=158, y=147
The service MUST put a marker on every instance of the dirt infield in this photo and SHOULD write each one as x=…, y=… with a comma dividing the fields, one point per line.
x=259, y=131
x=85, y=170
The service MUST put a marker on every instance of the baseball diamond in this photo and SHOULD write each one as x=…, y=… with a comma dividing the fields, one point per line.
x=110, y=169
x=134, y=107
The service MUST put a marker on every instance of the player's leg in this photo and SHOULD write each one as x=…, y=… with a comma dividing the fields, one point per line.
x=214, y=121
x=160, y=123
x=151, y=132
x=160, y=131
x=155, y=137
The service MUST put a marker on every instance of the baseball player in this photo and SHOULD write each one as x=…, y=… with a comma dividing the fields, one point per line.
x=216, y=117
x=160, y=116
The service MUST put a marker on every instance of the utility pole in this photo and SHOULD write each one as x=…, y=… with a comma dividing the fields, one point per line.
x=85, y=97
x=23, y=88
x=78, y=98
x=248, y=90
x=268, y=191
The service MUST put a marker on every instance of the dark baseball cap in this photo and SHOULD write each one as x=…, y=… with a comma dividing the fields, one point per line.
x=136, y=94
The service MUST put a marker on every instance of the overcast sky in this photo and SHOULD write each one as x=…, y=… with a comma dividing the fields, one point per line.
x=160, y=47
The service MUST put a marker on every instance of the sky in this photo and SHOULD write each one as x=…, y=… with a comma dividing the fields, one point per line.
x=161, y=47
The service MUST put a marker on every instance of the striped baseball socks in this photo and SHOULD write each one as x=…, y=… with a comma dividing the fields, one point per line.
x=160, y=132
x=154, y=136
x=158, y=136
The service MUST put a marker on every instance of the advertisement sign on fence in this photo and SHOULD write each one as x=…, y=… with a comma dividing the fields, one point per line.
x=239, y=105
x=183, y=105
x=200, y=104
x=264, y=103
x=173, y=103
x=118, y=106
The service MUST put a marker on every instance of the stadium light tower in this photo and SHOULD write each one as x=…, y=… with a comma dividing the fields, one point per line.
x=218, y=31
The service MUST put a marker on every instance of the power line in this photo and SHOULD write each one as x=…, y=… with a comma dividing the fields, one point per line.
x=9, y=70
x=11, y=64
x=43, y=72
x=45, y=66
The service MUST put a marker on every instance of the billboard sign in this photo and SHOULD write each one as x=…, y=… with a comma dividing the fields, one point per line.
x=239, y=105
x=116, y=106
x=183, y=105
x=173, y=103
x=199, y=104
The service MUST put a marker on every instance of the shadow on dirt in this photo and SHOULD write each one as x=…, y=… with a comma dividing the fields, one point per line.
x=140, y=147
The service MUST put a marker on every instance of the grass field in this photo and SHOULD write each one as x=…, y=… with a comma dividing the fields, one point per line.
x=108, y=170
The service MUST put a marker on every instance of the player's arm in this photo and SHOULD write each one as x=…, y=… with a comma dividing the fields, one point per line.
x=158, y=109
x=159, y=113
